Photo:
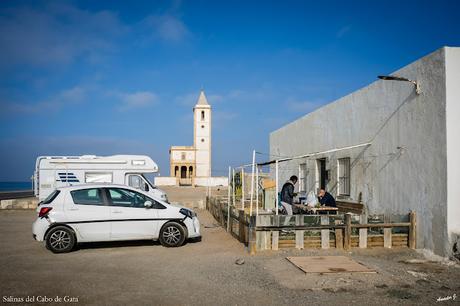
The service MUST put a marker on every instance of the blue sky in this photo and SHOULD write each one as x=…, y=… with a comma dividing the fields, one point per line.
x=106, y=77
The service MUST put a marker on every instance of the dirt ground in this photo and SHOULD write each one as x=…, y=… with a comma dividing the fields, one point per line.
x=205, y=273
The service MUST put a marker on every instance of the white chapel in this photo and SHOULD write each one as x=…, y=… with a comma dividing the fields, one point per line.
x=191, y=165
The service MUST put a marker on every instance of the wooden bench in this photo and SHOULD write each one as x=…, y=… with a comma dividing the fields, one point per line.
x=350, y=207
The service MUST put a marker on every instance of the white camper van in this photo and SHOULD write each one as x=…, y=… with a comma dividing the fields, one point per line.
x=52, y=172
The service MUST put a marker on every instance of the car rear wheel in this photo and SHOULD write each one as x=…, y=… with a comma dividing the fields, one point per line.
x=60, y=239
x=172, y=234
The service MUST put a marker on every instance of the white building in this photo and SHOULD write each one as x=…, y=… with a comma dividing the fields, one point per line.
x=410, y=160
x=191, y=165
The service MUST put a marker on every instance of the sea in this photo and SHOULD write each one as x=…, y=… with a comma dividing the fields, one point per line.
x=15, y=186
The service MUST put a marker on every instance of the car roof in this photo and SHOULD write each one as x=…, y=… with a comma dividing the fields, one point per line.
x=95, y=185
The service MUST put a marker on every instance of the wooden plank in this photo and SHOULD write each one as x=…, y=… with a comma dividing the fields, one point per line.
x=387, y=236
x=298, y=227
x=412, y=230
x=325, y=233
x=252, y=236
x=363, y=233
x=328, y=264
x=299, y=234
x=241, y=233
x=403, y=224
x=347, y=232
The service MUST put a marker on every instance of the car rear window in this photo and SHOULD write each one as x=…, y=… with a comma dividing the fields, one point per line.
x=51, y=197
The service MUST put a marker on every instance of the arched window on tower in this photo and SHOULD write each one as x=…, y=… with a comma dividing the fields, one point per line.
x=202, y=115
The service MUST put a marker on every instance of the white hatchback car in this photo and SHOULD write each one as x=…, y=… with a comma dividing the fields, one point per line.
x=88, y=213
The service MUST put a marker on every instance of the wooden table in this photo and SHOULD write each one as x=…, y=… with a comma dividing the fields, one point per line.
x=326, y=209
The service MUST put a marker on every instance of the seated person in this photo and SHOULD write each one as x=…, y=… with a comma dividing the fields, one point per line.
x=326, y=199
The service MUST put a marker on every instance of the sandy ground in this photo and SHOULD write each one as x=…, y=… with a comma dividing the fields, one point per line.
x=205, y=273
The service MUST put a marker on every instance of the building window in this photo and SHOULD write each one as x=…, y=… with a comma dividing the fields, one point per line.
x=202, y=139
x=202, y=115
x=183, y=156
x=190, y=171
x=344, y=176
x=302, y=177
x=202, y=126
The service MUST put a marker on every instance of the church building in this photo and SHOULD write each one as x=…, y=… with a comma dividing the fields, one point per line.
x=191, y=165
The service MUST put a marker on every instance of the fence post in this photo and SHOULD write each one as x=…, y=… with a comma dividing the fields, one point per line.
x=338, y=238
x=275, y=234
x=220, y=213
x=363, y=232
x=252, y=246
x=347, y=232
x=241, y=234
x=230, y=220
x=412, y=230
x=387, y=233
x=299, y=235
x=325, y=232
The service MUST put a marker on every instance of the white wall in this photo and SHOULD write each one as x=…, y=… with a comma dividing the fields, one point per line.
x=165, y=181
x=212, y=181
x=453, y=142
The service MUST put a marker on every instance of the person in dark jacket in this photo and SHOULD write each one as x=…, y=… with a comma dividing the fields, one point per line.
x=287, y=194
x=326, y=199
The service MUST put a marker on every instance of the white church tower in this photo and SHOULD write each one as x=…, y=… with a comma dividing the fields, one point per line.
x=202, y=136
x=191, y=165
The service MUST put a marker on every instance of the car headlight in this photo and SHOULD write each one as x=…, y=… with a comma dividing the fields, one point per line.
x=187, y=213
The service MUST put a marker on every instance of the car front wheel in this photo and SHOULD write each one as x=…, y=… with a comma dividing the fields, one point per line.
x=172, y=234
x=60, y=239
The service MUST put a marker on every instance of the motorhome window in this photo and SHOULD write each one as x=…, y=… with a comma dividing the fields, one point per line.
x=87, y=197
x=127, y=198
x=135, y=181
x=51, y=197
x=149, y=184
x=98, y=177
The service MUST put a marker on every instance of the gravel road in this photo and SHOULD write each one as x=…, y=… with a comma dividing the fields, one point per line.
x=205, y=273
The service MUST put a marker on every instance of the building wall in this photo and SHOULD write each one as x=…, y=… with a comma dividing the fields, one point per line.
x=404, y=168
x=211, y=181
x=453, y=145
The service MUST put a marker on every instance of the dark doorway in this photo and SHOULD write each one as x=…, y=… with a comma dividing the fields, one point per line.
x=322, y=173
x=183, y=172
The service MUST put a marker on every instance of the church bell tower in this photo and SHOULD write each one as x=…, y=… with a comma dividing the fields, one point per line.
x=202, y=136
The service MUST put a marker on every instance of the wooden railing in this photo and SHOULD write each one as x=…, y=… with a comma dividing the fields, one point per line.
x=343, y=231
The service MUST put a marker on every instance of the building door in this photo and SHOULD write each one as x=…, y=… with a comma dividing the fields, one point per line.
x=183, y=172
x=321, y=163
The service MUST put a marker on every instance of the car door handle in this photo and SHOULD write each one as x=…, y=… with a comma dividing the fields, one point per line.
x=117, y=211
x=73, y=208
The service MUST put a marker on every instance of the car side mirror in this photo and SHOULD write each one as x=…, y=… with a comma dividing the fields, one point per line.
x=148, y=204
